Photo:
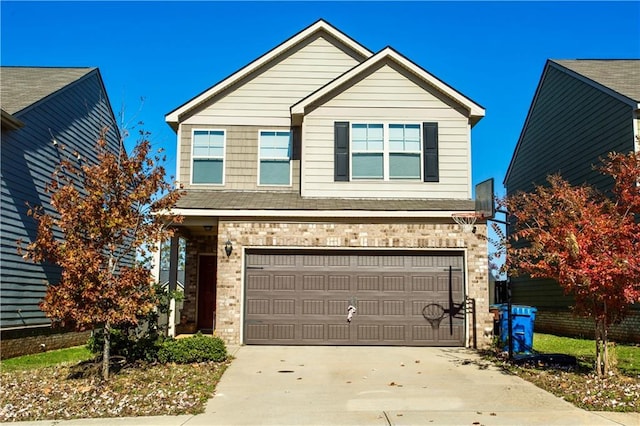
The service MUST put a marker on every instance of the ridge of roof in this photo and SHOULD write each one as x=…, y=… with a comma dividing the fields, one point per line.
x=320, y=25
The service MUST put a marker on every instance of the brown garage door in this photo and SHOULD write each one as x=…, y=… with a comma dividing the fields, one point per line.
x=404, y=299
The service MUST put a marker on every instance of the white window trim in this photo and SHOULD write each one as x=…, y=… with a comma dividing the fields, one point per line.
x=386, y=151
x=224, y=156
x=290, y=159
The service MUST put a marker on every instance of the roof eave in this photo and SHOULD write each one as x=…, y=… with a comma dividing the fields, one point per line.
x=9, y=121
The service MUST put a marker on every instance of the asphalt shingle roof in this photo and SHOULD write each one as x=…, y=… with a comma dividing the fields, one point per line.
x=21, y=87
x=619, y=75
x=236, y=200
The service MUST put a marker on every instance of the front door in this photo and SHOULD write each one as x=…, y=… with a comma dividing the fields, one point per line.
x=207, y=292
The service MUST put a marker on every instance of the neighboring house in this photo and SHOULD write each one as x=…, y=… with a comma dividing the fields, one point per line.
x=581, y=111
x=322, y=176
x=47, y=114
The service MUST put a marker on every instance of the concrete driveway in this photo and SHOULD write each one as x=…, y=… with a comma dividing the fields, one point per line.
x=288, y=385
x=285, y=385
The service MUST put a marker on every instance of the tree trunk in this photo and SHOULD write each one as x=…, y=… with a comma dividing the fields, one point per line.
x=106, y=351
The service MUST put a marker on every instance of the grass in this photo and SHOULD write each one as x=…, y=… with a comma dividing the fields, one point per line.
x=619, y=391
x=626, y=358
x=46, y=359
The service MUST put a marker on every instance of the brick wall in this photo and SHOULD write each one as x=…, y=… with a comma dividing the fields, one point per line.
x=35, y=340
x=254, y=234
x=563, y=323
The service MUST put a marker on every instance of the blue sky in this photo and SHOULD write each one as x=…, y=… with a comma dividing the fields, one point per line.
x=168, y=52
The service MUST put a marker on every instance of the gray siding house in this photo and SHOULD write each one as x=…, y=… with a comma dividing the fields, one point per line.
x=47, y=114
x=320, y=180
x=581, y=111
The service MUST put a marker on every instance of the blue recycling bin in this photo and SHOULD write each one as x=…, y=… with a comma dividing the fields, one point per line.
x=522, y=318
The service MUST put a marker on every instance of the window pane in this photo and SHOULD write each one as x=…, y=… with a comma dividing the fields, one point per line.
x=216, y=139
x=207, y=171
x=274, y=172
x=200, y=151
x=275, y=145
x=412, y=146
x=200, y=138
x=367, y=166
x=359, y=132
x=396, y=132
x=412, y=132
x=404, y=166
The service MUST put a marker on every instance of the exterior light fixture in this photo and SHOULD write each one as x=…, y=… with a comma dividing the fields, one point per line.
x=228, y=248
x=208, y=228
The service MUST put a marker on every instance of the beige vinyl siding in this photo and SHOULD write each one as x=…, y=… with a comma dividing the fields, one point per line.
x=387, y=96
x=241, y=160
x=266, y=98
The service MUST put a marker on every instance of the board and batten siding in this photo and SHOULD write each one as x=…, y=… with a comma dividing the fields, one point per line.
x=387, y=96
x=266, y=98
x=571, y=126
x=240, y=162
x=74, y=116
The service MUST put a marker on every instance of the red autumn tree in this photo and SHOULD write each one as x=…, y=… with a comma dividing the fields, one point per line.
x=585, y=240
x=107, y=214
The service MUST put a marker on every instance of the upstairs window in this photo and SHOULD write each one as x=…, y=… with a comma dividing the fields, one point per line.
x=208, y=157
x=275, y=158
x=367, y=151
x=404, y=151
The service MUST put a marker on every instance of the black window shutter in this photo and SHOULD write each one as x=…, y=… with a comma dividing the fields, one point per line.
x=341, y=151
x=296, y=139
x=430, y=140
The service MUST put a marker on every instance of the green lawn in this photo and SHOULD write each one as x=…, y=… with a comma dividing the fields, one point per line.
x=627, y=357
x=45, y=359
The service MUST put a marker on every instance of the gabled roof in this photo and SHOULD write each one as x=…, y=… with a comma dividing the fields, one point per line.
x=476, y=111
x=319, y=26
x=619, y=75
x=619, y=78
x=21, y=87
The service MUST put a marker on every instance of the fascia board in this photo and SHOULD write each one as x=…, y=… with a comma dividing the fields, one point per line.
x=473, y=108
x=174, y=116
x=319, y=213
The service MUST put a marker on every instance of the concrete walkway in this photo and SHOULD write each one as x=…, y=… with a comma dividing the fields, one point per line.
x=285, y=385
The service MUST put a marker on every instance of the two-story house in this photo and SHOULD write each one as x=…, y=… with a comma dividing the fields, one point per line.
x=581, y=111
x=48, y=113
x=320, y=182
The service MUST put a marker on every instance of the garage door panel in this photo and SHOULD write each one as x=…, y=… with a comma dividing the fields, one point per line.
x=259, y=282
x=339, y=283
x=302, y=298
x=393, y=283
x=338, y=332
x=314, y=283
x=423, y=283
x=284, y=282
x=368, y=283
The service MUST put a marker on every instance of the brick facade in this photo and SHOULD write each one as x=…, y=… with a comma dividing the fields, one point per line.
x=29, y=341
x=563, y=323
x=331, y=235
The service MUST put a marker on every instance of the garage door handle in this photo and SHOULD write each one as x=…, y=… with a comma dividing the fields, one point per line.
x=255, y=267
x=350, y=311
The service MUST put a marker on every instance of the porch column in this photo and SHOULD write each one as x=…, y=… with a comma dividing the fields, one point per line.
x=173, y=283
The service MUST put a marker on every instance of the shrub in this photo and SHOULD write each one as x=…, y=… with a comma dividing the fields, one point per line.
x=198, y=348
